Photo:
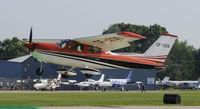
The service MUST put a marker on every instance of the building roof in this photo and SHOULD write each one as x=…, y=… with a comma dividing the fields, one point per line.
x=20, y=59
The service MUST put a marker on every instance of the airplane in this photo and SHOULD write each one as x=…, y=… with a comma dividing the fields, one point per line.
x=94, y=52
x=90, y=82
x=178, y=84
x=116, y=82
x=46, y=84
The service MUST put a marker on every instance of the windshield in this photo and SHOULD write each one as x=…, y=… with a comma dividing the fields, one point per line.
x=62, y=43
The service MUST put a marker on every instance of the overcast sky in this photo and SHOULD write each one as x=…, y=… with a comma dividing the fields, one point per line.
x=56, y=19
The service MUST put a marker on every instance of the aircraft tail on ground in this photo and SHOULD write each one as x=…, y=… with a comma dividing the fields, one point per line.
x=129, y=76
x=199, y=81
x=166, y=79
x=101, y=78
x=58, y=81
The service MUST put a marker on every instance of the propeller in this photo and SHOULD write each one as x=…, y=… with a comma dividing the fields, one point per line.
x=30, y=36
x=30, y=45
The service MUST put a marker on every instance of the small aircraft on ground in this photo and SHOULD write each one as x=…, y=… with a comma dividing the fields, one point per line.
x=116, y=82
x=90, y=82
x=46, y=84
x=178, y=84
x=92, y=53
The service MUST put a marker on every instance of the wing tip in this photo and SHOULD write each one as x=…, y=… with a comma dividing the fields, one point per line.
x=130, y=34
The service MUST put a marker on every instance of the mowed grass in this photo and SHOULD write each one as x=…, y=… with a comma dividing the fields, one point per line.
x=188, y=98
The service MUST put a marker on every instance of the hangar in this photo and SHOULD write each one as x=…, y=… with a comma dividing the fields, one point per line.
x=24, y=68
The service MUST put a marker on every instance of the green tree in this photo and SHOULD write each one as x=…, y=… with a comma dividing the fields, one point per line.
x=196, y=73
x=11, y=48
x=181, y=55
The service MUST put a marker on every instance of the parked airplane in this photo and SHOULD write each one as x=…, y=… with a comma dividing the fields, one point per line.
x=46, y=84
x=116, y=82
x=91, y=53
x=90, y=82
x=178, y=84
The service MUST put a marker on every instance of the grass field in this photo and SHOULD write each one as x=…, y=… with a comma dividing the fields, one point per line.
x=152, y=98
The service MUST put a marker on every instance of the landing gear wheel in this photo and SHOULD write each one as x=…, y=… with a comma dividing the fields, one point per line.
x=103, y=89
x=96, y=88
x=39, y=71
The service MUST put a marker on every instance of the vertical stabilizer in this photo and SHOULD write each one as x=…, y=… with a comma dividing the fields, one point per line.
x=129, y=76
x=160, y=49
x=102, y=78
x=59, y=80
x=166, y=79
x=198, y=81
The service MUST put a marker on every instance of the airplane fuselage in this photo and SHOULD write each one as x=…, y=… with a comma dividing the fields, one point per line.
x=84, y=57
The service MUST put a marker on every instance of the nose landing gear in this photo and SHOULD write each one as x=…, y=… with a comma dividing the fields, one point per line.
x=40, y=71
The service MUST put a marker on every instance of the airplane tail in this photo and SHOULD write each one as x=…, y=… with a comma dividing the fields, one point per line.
x=166, y=79
x=199, y=81
x=129, y=76
x=159, y=81
x=102, y=78
x=59, y=78
x=160, y=49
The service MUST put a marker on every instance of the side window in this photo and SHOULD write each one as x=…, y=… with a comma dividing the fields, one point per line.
x=92, y=49
x=76, y=47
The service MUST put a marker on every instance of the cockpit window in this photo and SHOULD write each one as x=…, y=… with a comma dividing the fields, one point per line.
x=92, y=49
x=63, y=43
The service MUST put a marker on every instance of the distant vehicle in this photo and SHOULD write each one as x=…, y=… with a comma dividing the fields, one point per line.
x=90, y=82
x=116, y=82
x=46, y=84
x=178, y=84
x=91, y=53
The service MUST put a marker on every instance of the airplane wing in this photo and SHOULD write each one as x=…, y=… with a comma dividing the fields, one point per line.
x=109, y=42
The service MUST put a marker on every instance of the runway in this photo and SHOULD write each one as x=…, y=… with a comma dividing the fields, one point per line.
x=122, y=107
x=90, y=91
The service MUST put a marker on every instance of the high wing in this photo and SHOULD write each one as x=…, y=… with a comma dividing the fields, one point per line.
x=109, y=42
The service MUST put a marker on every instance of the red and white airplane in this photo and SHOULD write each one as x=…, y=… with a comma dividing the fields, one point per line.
x=92, y=53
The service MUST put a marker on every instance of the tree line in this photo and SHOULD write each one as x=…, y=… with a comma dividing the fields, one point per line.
x=12, y=48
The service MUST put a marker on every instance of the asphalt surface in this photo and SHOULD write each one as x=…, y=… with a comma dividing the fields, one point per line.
x=87, y=91
x=122, y=107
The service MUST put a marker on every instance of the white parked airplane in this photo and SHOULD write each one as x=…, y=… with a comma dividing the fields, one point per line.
x=46, y=84
x=178, y=84
x=90, y=82
x=116, y=82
